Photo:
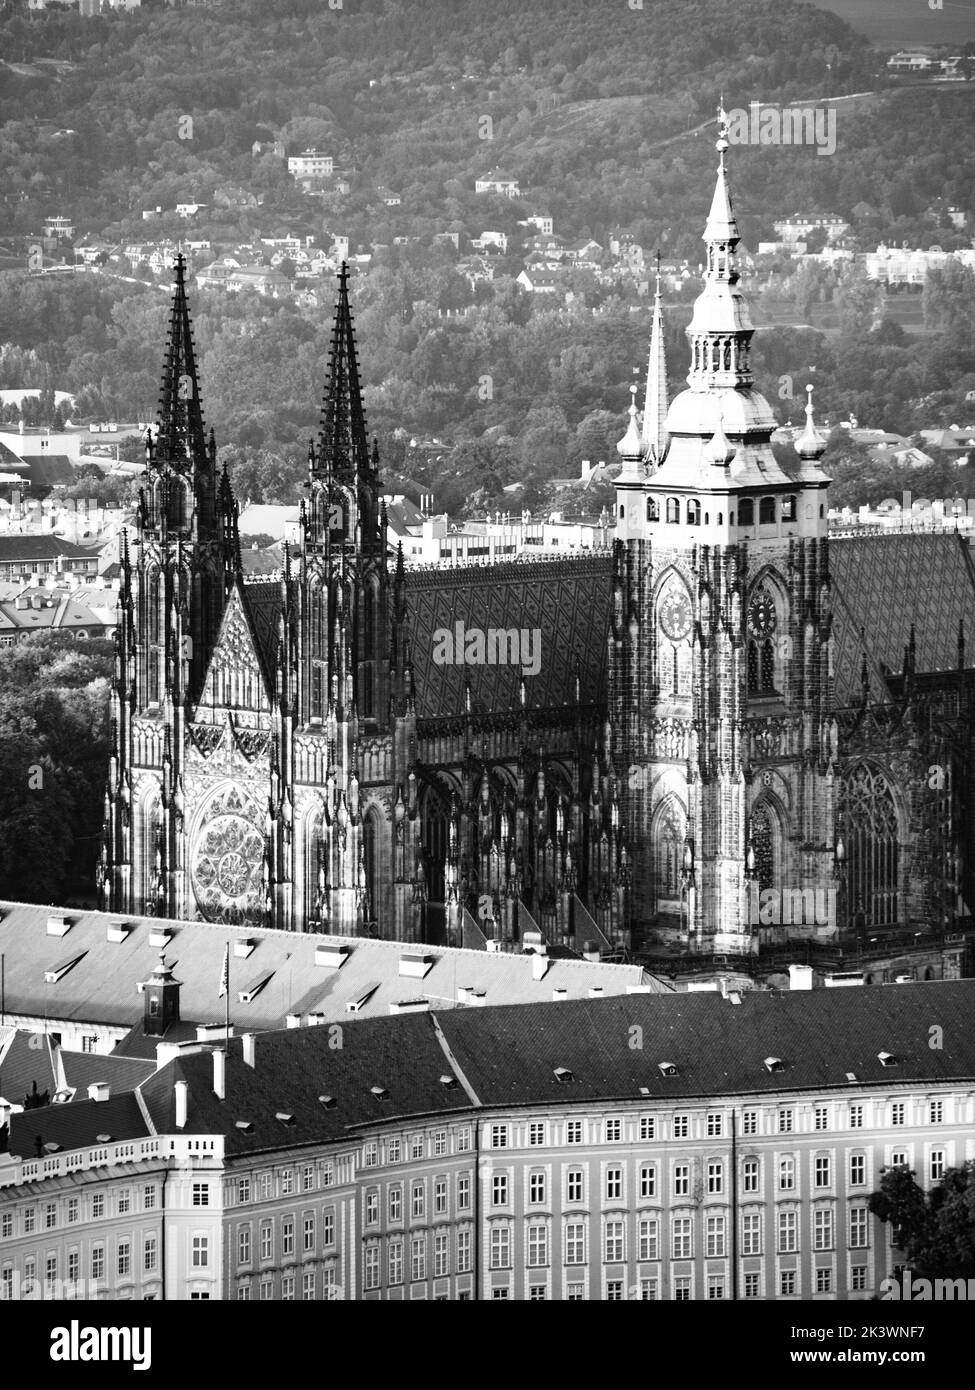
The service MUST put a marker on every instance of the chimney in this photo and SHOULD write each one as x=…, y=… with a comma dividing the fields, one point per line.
x=182, y=1092
x=219, y=1073
x=800, y=977
x=248, y=1041
x=99, y=1090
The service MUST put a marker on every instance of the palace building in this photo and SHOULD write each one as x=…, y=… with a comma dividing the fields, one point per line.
x=729, y=707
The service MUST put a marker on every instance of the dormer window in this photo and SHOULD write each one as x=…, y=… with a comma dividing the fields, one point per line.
x=667, y=1068
x=773, y=1064
x=887, y=1059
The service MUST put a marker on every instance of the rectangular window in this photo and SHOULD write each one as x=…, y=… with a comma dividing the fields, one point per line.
x=788, y=1233
x=575, y=1243
x=393, y=1151
x=536, y=1133
x=125, y=1202
x=751, y=1234
x=613, y=1244
x=416, y=1145
x=823, y=1170
x=936, y=1165
x=715, y=1126
x=328, y=1173
x=243, y=1245
x=785, y=1121
x=418, y=1257
x=265, y=1183
x=648, y=1127
x=749, y=1175
x=858, y=1278
x=287, y=1288
x=682, y=1289
x=537, y=1243
x=499, y=1136
x=821, y=1117
x=50, y=1215
x=715, y=1286
x=500, y=1246
x=823, y=1228
x=682, y=1179
x=858, y=1228
x=463, y=1251
x=149, y=1255
x=463, y=1192
x=573, y=1131
x=440, y=1143
x=648, y=1180
x=149, y=1199
x=681, y=1242
x=328, y=1227
x=575, y=1293
x=440, y=1196
x=287, y=1236
x=649, y=1244
x=308, y=1286
x=936, y=1112
x=51, y=1269
x=536, y=1188
x=201, y=1195
x=752, y=1288
x=897, y=1112
x=499, y=1190
x=74, y=1266
x=287, y=1182
x=73, y=1210
x=201, y=1252
x=787, y=1283
x=749, y=1122
x=714, y=1237
x=266, y=1290
x=573, y=1185
x=787, y=1174
x=898, y=1158
x=98, y=1262
x=858, y=1170
x=824, y=1281
x=649, y=1290
x=30, y=1215
x=440, y=1255
x=308, y=1231
x=395, y=1262
x=614, y=1131
x=7, y=1225
x=715, y=1177
x=856, y=1116
x=308, y=1177
x=372, y=1208
x=464, y=1140
x=614, y=1290
x=418, y=1201
x=536, y=1293
x=395, y=1204
x=124, y=1259
x=614, y=1184
x=372, y=1267
x=681, y=1126
x=267, y=1238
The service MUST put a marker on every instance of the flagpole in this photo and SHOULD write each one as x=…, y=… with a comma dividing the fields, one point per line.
x=226, y=1036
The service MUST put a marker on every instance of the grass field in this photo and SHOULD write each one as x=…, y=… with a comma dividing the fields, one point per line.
x=893, y=23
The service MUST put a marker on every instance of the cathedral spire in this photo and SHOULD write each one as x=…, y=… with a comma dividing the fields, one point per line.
x=655, y=437
x=343, y=448
x=181, y=437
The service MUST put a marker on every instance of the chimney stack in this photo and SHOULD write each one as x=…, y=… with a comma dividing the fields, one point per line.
x=248, y=1041
x=220, y=1073
x=182, y=1092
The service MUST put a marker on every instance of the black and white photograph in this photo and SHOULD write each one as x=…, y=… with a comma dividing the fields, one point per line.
x=487, y=669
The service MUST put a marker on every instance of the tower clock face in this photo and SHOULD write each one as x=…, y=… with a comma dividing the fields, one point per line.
x=761, y=616
x=675, y=613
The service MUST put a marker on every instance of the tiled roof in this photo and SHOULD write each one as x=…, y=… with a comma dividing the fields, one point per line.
x=44, y=547
x=566, y=601
x=24, y=1058
x=884, y=584
x=78, y=1125
x=102, y=986
x=82, y=1069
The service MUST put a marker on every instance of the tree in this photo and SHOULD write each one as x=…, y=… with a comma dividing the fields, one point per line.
x=935, y=1229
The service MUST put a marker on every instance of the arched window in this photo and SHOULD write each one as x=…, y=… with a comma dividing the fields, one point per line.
x=653, y=509
x=668, y=848
x=622, y=511
x=746, y=512
x=766, y=511
x=788, y=508
x=707, y=518
x=721, y=519
x=762, y=841
x=673, y=509
x=822, y=511
x=868, y=825
x=693, y=512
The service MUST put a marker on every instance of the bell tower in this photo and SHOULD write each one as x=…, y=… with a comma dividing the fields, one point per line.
x=720, y=654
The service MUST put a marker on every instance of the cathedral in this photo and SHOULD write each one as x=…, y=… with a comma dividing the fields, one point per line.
x=729, y=731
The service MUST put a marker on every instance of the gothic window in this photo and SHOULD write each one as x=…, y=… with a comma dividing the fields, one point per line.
x=766, y=511
x=868, y=821
x=227, y=861
x=653, y=509
x=746, y=512
x=673, y=509
x=668, y=848
x=788, y=509
x=761, y=839
x=693, y=513
x=370, y=857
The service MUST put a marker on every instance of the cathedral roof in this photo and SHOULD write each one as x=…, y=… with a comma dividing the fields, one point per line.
x=263, y=603
x=884, y=584
x=565, y=602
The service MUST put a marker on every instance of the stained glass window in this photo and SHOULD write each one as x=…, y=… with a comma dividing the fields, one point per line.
x=868, y=825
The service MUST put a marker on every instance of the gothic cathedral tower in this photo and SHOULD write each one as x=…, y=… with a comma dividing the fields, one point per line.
x=720, y=665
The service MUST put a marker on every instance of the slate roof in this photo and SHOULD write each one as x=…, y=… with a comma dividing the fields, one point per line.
x=566, y=601
x=24, y=1058
x=263, y=603
x=102, y=986
x=83, y=1069
x=885, y=583
x=78, y=1125
x=43, y=547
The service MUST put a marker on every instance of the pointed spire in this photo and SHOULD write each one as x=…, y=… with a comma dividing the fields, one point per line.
x=181, y=430
x=343, y=447
x=722, y=225
x=630, y=447
x=810, y=444
x=719, y=450
x=655, y=437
